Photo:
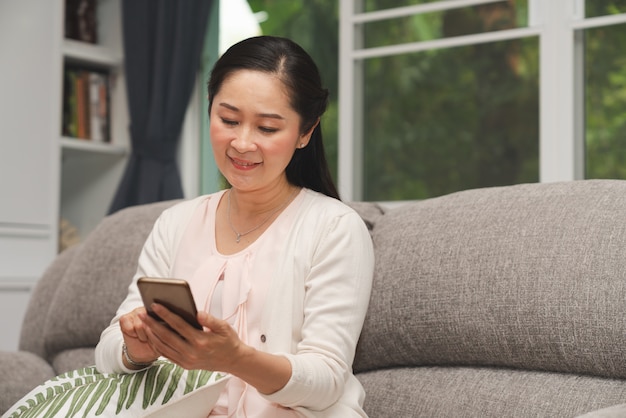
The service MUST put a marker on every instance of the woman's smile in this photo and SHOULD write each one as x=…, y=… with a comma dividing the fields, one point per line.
x=243, y=164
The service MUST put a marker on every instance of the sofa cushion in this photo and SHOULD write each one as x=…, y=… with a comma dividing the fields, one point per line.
x=73, y=358
x=23, y=371
x=615, y=411
x=530, y=276
x=485, y=392
x=38, y=308
x=97, y=279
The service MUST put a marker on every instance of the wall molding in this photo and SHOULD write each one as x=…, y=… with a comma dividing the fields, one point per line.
x=25, y=230
x=17, y=284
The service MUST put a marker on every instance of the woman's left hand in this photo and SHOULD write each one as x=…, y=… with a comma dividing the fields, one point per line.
x=215, y=348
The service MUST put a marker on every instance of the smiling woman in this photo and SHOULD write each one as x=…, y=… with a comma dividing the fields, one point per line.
x=280, y=269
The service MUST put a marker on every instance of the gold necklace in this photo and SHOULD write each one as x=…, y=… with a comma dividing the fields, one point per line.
x=238, y=235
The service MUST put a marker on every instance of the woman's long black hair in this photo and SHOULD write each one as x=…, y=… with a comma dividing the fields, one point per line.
x=297, y=70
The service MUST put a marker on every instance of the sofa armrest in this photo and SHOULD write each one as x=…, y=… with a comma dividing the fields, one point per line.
x=20, y=372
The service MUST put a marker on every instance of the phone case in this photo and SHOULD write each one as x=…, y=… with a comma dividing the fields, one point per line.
x=174, y=294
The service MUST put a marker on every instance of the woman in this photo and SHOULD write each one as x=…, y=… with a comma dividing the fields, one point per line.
x=279, y=268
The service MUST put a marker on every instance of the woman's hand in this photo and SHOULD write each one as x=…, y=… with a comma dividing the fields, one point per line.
x=134, y=332
x=214, y=348
x=217, y=348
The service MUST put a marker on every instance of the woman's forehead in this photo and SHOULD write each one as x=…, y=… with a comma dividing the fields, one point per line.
x=250, y=88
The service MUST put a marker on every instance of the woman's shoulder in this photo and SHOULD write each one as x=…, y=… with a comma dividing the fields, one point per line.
x=320, y=202
x=322, y=215
x=320, y=209
x=185, y=208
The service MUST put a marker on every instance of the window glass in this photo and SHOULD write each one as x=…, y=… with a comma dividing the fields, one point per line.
x=595, y=8
x=451, y=119
x=456, y=22
x=605, y=102
x=440, y=121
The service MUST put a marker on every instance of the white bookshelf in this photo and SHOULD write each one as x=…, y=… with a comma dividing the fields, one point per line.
x=90, y=171
x=45, y=176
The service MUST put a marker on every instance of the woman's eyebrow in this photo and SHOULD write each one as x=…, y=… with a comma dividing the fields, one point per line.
x=262, y=115
x=228, y=106
x=270, y=115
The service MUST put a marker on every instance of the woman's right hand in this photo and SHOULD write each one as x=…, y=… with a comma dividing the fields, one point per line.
x=134, y=333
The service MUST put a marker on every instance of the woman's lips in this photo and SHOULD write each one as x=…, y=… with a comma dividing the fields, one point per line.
x=243, y=165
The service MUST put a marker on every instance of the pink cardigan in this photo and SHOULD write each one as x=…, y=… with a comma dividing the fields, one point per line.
x=312, y=302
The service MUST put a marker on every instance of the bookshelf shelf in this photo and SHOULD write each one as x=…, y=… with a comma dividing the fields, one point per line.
x=81, y=146
x=91, y=54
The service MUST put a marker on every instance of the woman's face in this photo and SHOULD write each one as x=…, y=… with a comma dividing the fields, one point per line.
x=254, y=130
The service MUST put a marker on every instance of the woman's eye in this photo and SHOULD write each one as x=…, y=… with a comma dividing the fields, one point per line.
x=267, y=130
x=229, y=122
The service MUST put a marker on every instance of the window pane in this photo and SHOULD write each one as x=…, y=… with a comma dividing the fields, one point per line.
x=605, y=102
x=451, y=119
x=595, y=8
x=456, y=22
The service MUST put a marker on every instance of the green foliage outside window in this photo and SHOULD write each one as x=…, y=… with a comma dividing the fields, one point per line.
x=451, y=119
x=605, y=94
x=445, y=120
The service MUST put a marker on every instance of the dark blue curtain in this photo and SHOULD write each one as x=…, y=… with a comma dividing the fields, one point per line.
x=162, y=46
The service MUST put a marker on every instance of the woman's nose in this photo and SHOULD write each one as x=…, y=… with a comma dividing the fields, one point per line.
x=243, y=141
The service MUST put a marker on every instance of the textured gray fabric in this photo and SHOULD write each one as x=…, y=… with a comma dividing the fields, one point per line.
x=39, y=304
x=528, y=276
x=20, y=372
x=97, y=280
x=616, y=411
x=73, y=359
x=441, y=392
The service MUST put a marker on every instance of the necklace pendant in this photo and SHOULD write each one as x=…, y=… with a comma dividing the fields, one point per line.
x=238, y=235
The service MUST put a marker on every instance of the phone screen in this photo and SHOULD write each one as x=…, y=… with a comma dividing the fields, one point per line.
x=174, y=294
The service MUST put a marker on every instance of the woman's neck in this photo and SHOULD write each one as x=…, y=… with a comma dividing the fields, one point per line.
x=260, y=202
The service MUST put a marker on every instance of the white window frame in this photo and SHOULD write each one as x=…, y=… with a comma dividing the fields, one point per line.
x=557, y=24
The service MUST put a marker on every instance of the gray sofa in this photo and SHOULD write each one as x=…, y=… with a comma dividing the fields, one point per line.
x=495, y=302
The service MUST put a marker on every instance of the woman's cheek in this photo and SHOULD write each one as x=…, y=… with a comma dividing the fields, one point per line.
x=219, y=135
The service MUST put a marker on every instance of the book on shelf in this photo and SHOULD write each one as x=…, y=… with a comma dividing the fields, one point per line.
x=86, y=104
x=80, y=20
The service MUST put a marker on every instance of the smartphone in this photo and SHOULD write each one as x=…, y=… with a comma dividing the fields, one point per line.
x=174, y=294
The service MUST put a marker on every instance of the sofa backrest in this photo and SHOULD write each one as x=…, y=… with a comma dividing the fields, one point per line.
x=529, y=276
x=80, y=292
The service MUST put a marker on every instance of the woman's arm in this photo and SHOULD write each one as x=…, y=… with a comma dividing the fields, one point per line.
x=337, y=292
x=154, y=260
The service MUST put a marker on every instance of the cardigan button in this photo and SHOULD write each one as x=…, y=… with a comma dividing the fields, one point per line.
x=263, y=339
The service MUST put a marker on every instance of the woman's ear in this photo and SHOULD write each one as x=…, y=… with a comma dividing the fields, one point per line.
x=306, y=137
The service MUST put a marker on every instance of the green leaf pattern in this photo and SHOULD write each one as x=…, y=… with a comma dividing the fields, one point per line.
x=86, y=392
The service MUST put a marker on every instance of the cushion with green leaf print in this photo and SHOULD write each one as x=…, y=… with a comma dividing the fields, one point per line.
x=162, y=390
